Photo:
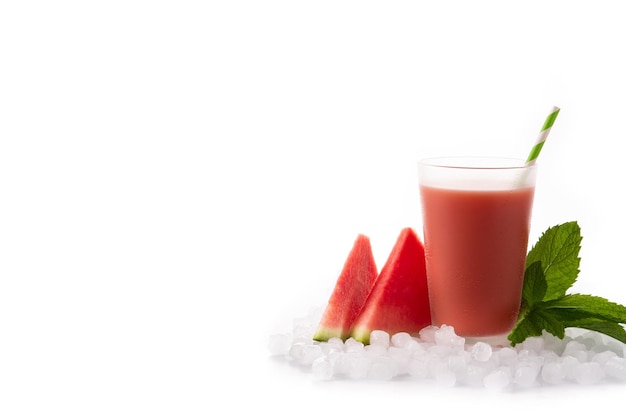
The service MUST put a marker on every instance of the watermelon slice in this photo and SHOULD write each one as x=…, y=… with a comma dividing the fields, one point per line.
x=351, y=289
x=399, y=300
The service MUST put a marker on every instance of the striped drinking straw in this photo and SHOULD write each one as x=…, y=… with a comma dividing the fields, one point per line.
x=543, y=134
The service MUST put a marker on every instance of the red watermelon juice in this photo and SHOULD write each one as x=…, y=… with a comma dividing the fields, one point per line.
x=476, y=219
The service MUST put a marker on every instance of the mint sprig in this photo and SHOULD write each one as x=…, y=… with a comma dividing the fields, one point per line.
x=552, y=267
x=557, y=250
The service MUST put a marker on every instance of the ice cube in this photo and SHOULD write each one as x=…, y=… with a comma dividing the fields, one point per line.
x=535, y=344
x=379, y=338
x=401, y=358
x=441, y=351
x=581, y=355
x=414, y=346
x=356, y=365
x=458, y=363
x=553, y=343
x=354, y=346
x=576, y=349
x=481, y=351
x=603, y=357
x=587, y=341
x=339, y=362
x=589, y=373
x=618, y=347
x=552, y=373
x=309, y=353
x=418, y=366
x=441, y=374
x=506, y=356
x=381, y=368
x=437, y=366
x=445, y=336
x=332, y=345
x=498, y=379
x=476, y=372
x=548, y=356
x=531, y=356
x=401, y=339
x=336, y=341
x=616, y=368
x=570, y=366
x=427, y=334
x=525, y=374
x=375, y=350
x=322, y=369
x=444, y=377
x=295, y=351
x=592, y=339
x=527, y=370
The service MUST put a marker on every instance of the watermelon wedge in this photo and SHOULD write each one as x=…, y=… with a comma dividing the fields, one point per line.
x=399, y=300
x=351, y=289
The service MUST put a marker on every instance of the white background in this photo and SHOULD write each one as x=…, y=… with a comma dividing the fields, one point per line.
x=179, y=180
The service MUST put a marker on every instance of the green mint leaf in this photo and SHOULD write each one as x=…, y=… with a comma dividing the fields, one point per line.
x=535, y=285
x=578, y=306
x=550, y=323
x=557, y=249
x=534, y=322
x=525, y=327
x=609, y=328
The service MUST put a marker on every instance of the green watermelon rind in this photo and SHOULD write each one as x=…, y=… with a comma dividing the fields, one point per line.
x=361, y=334
x=324, y=334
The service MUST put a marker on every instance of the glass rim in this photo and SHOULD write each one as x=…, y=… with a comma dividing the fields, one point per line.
x=475, y=162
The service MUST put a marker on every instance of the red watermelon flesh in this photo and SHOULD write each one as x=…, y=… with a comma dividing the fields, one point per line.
x=351, y=289
x=399, y=300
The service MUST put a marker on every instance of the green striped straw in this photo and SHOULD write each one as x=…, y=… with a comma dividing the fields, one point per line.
x=543, y=134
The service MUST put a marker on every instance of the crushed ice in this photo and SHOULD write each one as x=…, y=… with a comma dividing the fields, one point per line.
x=438, y=355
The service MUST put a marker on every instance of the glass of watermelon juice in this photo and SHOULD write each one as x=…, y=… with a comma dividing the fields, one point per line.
x=476, y=218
